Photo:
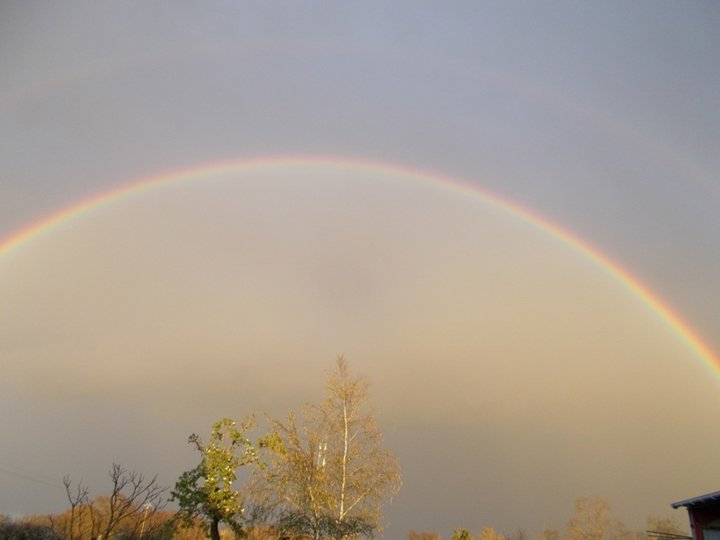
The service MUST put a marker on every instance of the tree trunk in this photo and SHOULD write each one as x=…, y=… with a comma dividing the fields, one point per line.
x=215, y=529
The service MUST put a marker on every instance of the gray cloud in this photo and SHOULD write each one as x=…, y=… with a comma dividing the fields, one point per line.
x=506, y=367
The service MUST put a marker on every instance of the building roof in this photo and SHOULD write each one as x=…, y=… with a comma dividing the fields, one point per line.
x=699, y=501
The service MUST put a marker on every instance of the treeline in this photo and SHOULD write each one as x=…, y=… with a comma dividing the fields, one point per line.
x=592, y=520
x=319, y=473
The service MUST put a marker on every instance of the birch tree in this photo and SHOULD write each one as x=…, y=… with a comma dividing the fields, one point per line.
x=329, y=471
x=593, y=520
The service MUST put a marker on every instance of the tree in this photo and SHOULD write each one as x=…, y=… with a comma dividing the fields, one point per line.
x=593, y=521
x=25, y=530
x=132, y=502
x=664, y=529
x=330, y=473
x=549, y=534
x=488, y=533
x=207, y=491
x=10, y=530
x=518, y=534
x=77, y=499
x=423, y=535
x=461, y=534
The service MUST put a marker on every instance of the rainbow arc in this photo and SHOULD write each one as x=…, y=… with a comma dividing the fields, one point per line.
x=279, y=164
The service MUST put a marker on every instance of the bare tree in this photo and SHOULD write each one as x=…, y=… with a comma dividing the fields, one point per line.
x=518, y=534
x=132, y=502
x=77, y=499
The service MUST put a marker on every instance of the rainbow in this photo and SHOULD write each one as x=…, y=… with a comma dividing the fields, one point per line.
x=289, y=163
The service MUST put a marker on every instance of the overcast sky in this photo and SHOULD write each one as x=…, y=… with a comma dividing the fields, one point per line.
x=511, y=373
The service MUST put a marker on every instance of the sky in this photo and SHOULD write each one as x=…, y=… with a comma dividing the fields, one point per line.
x=456, y=196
